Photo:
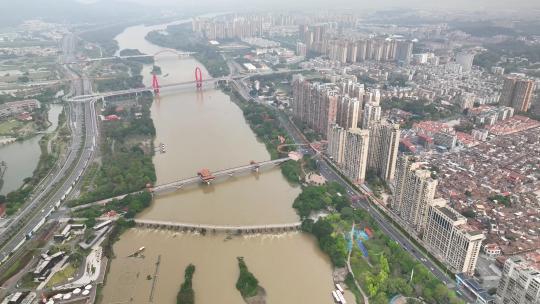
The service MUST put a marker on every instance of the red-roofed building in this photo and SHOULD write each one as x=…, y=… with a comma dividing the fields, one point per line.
x=431, y=127
x=465, y=139
x=112, y=117
x=24, y=116
x=425, y=141
x=406, y=144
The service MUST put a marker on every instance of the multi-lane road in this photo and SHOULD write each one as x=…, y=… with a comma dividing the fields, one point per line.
x=51, y=191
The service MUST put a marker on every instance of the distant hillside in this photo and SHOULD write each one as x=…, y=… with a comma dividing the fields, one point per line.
x=14, y=12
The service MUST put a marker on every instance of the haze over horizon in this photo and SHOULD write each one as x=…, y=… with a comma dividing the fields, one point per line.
x=92, y=11
x=416, y=4
x=383, y=4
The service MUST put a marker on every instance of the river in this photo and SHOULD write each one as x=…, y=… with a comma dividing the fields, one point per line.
x=206, y=130
x=22, y=157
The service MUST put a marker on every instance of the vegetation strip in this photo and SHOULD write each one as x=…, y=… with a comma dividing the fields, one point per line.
x=248, y=285
x=186, y=295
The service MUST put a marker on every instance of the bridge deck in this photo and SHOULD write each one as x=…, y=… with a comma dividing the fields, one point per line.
x=220, y=173
x=145, y=89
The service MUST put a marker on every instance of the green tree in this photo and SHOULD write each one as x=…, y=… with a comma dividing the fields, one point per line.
x=372, y=285
x=186, y=295
x=90, y=222
x=247, y=284
x=440, y=294
x=380, y=298
x=347, y=213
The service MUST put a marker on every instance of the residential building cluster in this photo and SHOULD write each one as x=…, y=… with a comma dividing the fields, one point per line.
x=274, y=56
x=448, y=82
x=489, y=115
x=229, y=27
x=342, y=100
x=433, y=133
x=17, y=107
x=29, y=51
x=498, y=183
x=444, y=232
x=350, y=118
x=322, y=39
x=512, y=125
x=442, y=229
x=444, y=82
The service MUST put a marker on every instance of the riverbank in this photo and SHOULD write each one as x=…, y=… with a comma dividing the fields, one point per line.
x=266, y=126
x=332, y=234
x=181, y=37
x=204, y=129
x=126, y=160
x=51, y=147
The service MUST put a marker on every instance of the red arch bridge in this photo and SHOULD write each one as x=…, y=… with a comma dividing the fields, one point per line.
x=155, y=88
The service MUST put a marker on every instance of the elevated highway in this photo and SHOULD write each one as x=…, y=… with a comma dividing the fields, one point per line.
x=59, y=183
x=180, y=54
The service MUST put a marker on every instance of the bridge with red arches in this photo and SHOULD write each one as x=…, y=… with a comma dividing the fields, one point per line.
x=198, y=81
x=198, y=77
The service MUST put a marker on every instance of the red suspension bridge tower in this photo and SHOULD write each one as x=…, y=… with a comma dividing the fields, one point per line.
x=155, y=84
x=198, y=77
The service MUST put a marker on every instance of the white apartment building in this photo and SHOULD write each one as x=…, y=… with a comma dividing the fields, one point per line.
x=347, y=112
x=448, y=237
x=383, y=149
x=520, y=282
x=414, y=190
x=356, y=153
x=336, y=144
x=372, y=114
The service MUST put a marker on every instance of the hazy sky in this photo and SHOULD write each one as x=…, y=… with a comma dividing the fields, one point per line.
x=460, y=4
x=15, y=11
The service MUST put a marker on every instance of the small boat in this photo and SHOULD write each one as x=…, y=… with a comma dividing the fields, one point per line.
x=338, y=287
x=335, y=296
x=341, y=297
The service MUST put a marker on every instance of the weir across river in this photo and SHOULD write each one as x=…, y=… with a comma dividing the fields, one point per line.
x=244, y=229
